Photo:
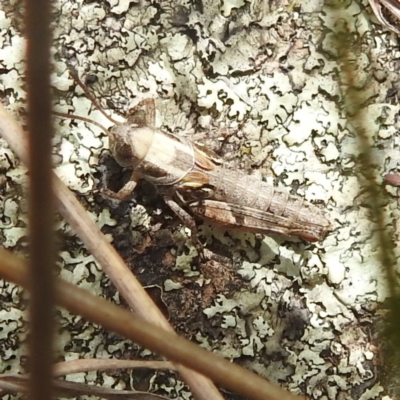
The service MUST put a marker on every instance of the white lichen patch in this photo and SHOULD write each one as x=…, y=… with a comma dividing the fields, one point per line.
x=262, y=87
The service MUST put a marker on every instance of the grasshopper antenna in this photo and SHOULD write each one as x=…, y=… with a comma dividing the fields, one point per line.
x=90, y=96
x=72, y=116
x=75, y=77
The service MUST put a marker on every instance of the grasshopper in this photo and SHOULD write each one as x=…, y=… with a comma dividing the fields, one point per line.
x=190, y=175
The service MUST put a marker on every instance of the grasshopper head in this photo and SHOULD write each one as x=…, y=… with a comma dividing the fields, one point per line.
x=129, y=143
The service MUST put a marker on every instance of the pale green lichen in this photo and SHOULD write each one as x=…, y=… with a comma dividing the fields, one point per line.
x=274, y=72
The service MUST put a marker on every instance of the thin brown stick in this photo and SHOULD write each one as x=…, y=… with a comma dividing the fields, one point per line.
x=354, y=105
x=355, y=109
x=98, y=364
x=169, y=344
x=18, y=383
x=41, y=204
x=105, y=254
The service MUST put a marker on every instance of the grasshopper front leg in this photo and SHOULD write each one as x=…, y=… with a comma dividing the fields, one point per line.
x=125, y=191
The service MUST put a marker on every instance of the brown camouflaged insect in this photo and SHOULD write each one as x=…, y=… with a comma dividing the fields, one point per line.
x=187, y=174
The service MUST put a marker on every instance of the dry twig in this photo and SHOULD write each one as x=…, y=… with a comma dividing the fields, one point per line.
x=177, y=349
x=105, y=254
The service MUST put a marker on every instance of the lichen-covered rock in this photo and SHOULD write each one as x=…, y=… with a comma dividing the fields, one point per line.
x=259, y=84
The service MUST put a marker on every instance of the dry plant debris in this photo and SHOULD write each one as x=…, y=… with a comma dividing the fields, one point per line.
x=256, y=82
x=387, y=13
